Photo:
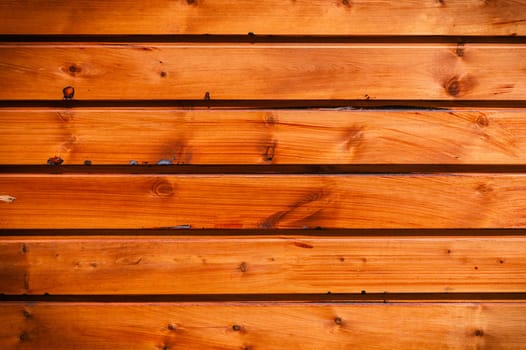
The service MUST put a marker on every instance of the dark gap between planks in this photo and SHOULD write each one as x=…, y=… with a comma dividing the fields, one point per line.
x=251, y=37
x=259, y=298
x=185, y=231
x=274, y=104
x=270, y=169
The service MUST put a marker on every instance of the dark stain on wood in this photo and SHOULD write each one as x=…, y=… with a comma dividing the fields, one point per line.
x=27, y=315
x=24, y=336
x=273, y=220
x=303, y=245
x=310, y=221
x=177, y=150
x=509, y=22
x=504, y=89
x=484, y=188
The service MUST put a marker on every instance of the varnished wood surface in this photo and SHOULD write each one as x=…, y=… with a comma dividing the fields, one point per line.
x=263, y=201
x=118, y=136
x=152, y=71
x=179, y=287
x=312, y=17
x=263, y=326
x=261, y=265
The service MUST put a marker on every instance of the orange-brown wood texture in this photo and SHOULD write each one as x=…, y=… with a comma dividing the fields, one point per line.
x=279, y=223
x=261, y=264
x=298, y=17
x=197, y=71
x=117, y=136
x=263, y=201
x=168, y=326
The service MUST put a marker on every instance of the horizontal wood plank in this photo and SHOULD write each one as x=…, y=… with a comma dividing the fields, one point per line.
x=118, y=136
x=263, y=326
x=303, y=17
x=261, y=264
x=262, y=71
x=263, y=201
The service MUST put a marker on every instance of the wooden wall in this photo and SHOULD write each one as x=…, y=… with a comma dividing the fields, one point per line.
x=307, y=174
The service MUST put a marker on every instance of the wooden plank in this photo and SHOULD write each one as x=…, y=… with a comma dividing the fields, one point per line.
x=263, y=201
x=167, y=326
x=261, y=264
x=117, y=136
x=263, y=71
x=303, y=17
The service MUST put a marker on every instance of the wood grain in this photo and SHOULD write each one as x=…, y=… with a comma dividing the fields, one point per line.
x=264, y=201
x=263, y=326
x=104, y=136
x=261, y=265
x=262, y=71
x=303, y=17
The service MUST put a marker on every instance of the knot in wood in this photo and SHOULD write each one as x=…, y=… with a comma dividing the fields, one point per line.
x=483, y=121
x=453, y=87
x=68, y=92
x=163, y=188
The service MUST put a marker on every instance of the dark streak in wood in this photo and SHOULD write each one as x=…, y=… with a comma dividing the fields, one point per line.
x=303, y=245
x=274, y=219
